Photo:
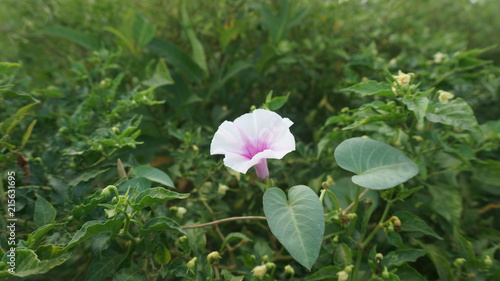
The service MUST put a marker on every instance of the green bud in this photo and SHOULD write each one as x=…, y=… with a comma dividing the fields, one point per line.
x=289, y=270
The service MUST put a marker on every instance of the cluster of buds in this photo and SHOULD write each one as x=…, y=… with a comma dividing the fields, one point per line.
x=344, y=274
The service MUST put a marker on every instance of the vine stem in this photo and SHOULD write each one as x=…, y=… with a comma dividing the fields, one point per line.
x=379, y=225
x=344, y=212
x=224, y=220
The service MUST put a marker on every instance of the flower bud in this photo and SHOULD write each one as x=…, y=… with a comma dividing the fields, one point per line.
x=191, y=263
x=379, y=257
x=458, y=262
x=342, y=275
x=289, y=270
x=351, y=216
x=213, y=256
x=182, y=239
x=270, y=265
x=180, y=212
x=487, y=261
x=385, y=274
x=402, y=79
x=396, y=221
x=349, y=268
x=222, y=189
x=259, y=271
x=264, y=258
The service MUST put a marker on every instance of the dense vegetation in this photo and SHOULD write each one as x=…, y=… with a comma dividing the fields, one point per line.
x=108, y=110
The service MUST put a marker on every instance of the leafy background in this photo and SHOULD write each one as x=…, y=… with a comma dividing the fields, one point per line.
x=129, y=94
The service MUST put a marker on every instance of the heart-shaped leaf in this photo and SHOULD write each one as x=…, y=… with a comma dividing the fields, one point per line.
x=298, y=222
x=376, y=165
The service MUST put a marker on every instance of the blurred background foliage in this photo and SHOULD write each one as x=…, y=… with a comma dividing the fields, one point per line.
x=148, y=82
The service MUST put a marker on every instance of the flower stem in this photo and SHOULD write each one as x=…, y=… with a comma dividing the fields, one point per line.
x=379, y=225
x=224, y=220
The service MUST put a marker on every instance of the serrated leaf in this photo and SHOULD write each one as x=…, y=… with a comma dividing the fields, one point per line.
x=376, y=165
x=399, y=257
x=456, y=113
x=156, y=195
x=234, y=236
x=93, y=228
x=75, y=36
x=419, y=108
x=29, y=264
x=153, y=174
x=36, y=236
x=161, y=224
x=45, y=213
x=297, y=221
x=413, y=223
x=371, y=88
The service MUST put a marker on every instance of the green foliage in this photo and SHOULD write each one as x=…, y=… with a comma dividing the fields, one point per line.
x=107, y=111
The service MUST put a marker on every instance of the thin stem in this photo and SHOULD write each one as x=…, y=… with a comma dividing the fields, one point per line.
x=355, y=202
x=379, y=225
x=224, y=220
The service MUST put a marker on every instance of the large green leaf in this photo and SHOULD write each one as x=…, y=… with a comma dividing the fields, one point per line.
x=104, y=265
x=456, y=113
x=156, y=195
x=376, y=165
x=298, y=222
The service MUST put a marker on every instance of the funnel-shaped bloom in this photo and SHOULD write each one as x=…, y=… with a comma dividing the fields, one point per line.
x=251, y=139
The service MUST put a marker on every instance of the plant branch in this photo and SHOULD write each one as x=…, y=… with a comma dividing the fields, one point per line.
x=224, y=220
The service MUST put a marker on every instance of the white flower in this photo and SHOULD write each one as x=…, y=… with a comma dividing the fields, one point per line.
x=259, y=271
x=251, y=139
x=439, y=57
x=444, y=96
x=402, y=79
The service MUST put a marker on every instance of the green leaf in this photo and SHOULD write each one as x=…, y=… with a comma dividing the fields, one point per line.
x=8, y=124
x=441, y=263
x=343, y=255
x=456, y=113
x=487, y=172
x=36, y=236
x=228, y=276
x=399, y=257
x=198, y=51
x=75, y=36
x=153, y=174
x=298, y=222
x=142, y=30
x=407, y=273
x=394, y=238
x=377, y=165
x=93, y=228
x=29, y=264
x=45, y=213
x=161, y=224
x=8, y=66
x=160, y=77
x=104, y=265
x=176, y=57
x=129, y=274
x=419, y=108
x=27, y=134
x=411, y=222
x=234, y=236
x=156, y=195
x=197, y=240
x=325, y=273
x=371, y=88
x=162, y=255
x=447, y=202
